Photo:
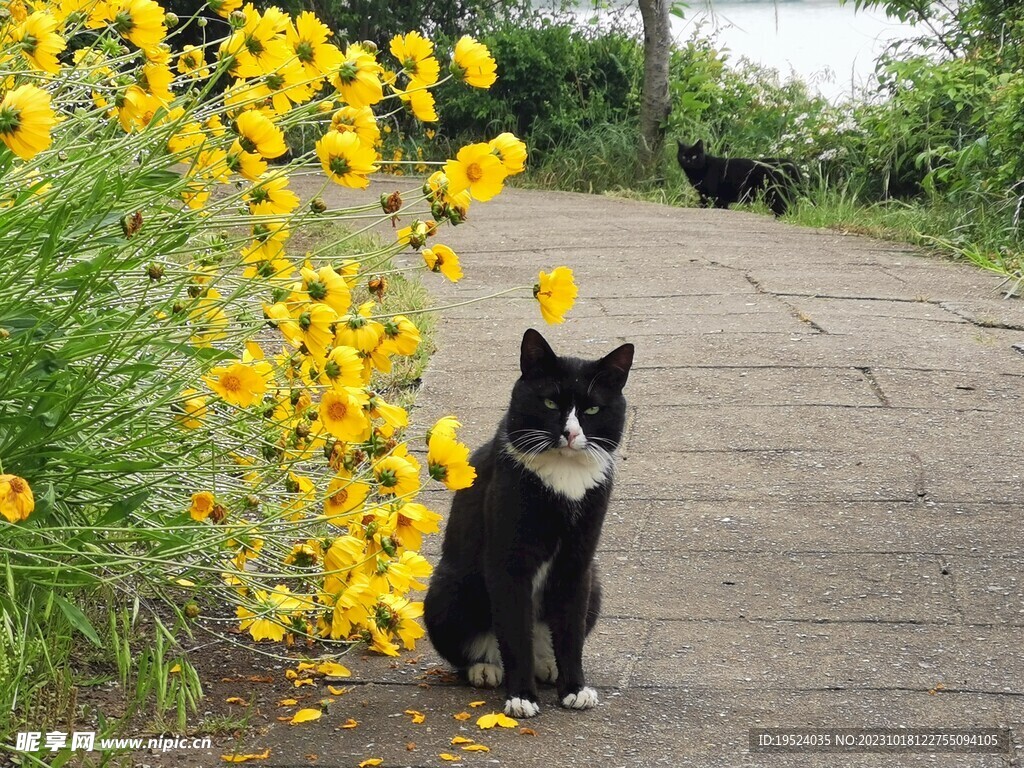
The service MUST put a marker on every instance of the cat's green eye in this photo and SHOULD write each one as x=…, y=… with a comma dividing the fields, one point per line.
x=549, y=403
x=592, y=410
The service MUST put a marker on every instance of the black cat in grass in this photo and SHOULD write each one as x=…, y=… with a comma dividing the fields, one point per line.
x=727, y=180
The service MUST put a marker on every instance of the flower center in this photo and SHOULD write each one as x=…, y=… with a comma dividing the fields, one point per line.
x=340, y=497
x=231, y=382
x=337, y=410
x=474, y=172
x=17, y=486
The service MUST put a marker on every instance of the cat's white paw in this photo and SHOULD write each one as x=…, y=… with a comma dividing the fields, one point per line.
x=517, y=707
x=585, y=698
x=484, y=675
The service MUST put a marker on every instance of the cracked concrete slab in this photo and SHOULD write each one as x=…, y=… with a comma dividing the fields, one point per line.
x=808, y=528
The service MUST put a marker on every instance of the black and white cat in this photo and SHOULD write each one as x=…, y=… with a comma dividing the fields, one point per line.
x=516, y=591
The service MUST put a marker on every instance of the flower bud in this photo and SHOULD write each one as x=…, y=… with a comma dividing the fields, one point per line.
x=237, y=20
x=191, y=610
x=201, y=22
x=4, y=334
x=317, y=205
x=369, y=46
x=170, y=20
x=155, y=271
x=131, y=224
x=391, y=203
x=378, y=286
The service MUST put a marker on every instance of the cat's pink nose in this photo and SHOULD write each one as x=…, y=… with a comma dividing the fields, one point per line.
x=571, y=436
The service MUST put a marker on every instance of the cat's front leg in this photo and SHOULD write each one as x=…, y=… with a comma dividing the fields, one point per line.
x=568, y=632
x=512, y=605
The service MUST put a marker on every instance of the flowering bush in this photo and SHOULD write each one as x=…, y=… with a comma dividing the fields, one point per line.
x=189, y=411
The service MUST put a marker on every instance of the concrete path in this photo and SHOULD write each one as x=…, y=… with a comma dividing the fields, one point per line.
x=818, y=516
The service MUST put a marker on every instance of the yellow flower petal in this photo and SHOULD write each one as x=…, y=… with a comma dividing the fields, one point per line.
x=486, y=722
x=350, y=723
x=333, y=669
x=462, y=716
x=305, y=716
x=246, y=758
x=477, y=703
x=417, y=717
x=371, y=762
x=449, y=758
x=461, y=740
x=287, y=703
x=476, y=748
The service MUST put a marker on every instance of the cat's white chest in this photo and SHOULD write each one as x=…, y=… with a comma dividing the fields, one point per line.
x=569, y=473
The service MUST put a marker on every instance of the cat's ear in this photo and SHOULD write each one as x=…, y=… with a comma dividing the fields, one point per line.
x=614, y=367
x=535, y=356
x=699, y=146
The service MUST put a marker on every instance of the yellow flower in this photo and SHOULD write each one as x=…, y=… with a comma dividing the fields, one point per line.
x=327, y=286
x=342, y=415
x=305, y=554
x=396, y=475
x=357, y=120
x=442, y=259
x=511, y=151
x=477, y=169
x=472, y=63
x=193, y=408
x=416, y=234
x=414, y=53
x=16, y=499
x=356, y=330
x=238, y=384
x=260, y=46
x=344, y=367
x=271, y=196
x=272, y=611
x=135, y=107
x=225, y=8
x=38, y=41
x=556, y=293
x=156, y=80
x=411, y=521
x=26, y=119
x=345, y=159
x=308, y=40
x=258, y=134
x=401, y=335
x=288, y=85
x=357, y=78
x=399, y=617
x=301, y=492
x=203, y=504
x=344, y=496
x=140, y=21
x=446, y=425
x=448, y=461
x=192, y=62
x=394, y=416
x=316, y=322
x=251, y=165
x=420, y=101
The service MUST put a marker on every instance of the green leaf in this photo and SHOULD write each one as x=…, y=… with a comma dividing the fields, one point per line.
x=121, y=508
x=78, y=620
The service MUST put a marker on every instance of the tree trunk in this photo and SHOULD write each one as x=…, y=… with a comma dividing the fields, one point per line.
x=655, y=105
